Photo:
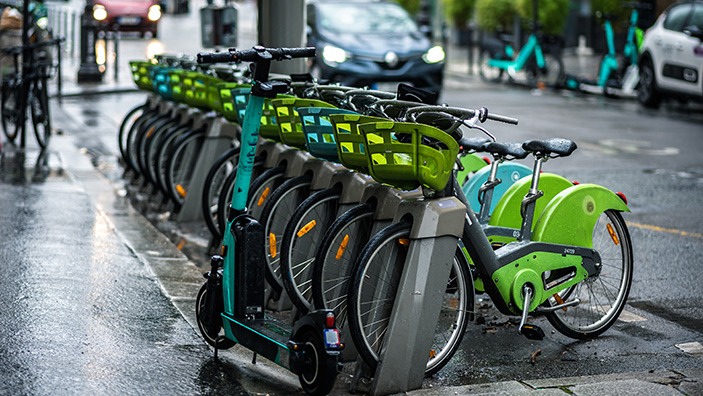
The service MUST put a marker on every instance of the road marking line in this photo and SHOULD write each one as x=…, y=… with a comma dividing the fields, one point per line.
x=666, y=230
x=629, y=317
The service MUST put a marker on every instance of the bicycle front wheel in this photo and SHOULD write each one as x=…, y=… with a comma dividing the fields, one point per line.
x=301, y=237
x=602, y=297
x=373, y=293
x=487, y=72
x=11, y=109
x=41, y=118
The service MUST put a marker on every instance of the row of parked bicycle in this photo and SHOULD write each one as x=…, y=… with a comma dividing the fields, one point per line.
x=343, y=183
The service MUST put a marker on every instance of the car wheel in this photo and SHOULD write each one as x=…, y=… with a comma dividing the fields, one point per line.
x=647, y=93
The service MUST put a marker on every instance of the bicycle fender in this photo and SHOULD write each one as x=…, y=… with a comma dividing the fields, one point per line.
x=471, y=163
x=509, y=173
x=570, y=217
x=507, y=211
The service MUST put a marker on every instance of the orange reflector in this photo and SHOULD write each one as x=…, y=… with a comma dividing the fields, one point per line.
x=306, y=228
x=181, y=244
x=181, y=190
x=342, y=247
x=263, y=196
x=612, y=233
x=559, y=300
x=404, y=241
x=433, y=353
x=223, y=250
x=150, y=132
x=272, y=245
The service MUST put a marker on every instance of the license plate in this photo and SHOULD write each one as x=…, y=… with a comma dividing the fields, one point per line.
x=128, y=20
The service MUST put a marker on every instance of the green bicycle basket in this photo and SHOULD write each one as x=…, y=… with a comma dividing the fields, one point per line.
x=140, y=74
x=350, y=143
x=229, y=111
x=268, y=128
x=289, y=123
x=319, y=132
x=178, y=89
x=425, y=156
x=206, y=95
x=161, y=80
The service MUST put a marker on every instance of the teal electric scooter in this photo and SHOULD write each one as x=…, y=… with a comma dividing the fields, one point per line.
x=232, y=299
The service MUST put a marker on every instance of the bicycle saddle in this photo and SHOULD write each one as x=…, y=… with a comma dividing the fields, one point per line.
x=473, y=143
x=555, y=147
x=506, y=150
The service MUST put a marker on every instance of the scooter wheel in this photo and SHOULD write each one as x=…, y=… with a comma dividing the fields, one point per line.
x=214, y=340
x=319, y=369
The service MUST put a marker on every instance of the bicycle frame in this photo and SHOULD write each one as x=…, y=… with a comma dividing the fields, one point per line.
x=532, y=47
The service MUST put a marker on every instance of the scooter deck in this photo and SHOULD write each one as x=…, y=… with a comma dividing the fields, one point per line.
x=267, y=337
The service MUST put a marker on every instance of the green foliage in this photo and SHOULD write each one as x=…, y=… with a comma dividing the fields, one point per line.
x=494, y=15
x=459, y=12
x=411, y=6
x=552, y=14
x=618, y=9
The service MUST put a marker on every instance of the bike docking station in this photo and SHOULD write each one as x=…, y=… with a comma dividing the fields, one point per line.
x=233, y=298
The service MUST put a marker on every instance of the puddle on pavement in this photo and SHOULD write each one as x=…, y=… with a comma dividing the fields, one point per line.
x=19, y=166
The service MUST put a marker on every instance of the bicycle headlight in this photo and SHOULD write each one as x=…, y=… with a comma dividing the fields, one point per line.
x=99, y=12
x=333, y=55
x=154, y=13
x=434, y=55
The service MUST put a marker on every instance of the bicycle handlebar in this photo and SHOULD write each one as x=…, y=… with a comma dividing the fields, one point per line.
x=464, y=113
x=256, y=53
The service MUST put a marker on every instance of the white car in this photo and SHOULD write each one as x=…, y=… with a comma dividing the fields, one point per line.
x=671, y=56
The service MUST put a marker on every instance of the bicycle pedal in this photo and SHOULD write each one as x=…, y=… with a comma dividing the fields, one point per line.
x=532, y=332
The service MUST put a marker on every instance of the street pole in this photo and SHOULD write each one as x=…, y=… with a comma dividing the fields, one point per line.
x=26, y=18
x=282, y=24
x=88, y=70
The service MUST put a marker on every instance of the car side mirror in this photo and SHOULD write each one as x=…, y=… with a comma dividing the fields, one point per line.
x=694, y=31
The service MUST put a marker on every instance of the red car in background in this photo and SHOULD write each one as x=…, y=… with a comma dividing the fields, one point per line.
x=129, y=15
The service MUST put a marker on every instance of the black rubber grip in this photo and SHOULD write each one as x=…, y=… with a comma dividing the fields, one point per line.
x=255, y=54
x=507, y=120
x=215, y=57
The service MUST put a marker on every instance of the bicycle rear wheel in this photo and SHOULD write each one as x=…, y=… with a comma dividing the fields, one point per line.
x=225, y=164
x=373, y=293
x=602, y=297
x=39, y=107
x=10, y=109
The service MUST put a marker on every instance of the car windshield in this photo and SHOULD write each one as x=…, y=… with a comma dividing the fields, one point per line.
x=374, y=18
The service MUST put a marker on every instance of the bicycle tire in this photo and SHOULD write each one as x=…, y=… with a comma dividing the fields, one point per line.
x=275, y=215
x=615, y=248
x=154, y=172
x=39, y=109
x=368, y=333
x=488, y=73
x=223, y=166
x=129, y=119
x=335, y=258
x=181, y=163
x=153, y=135
x=134, y=137
x=301, y=237
x=164, y=149
x=10, y=112
x=551, y=75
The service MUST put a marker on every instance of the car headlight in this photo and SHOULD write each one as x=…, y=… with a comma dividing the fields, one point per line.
x=99, y=12
x=434, y=55
x=333, y=55
x=154, y=13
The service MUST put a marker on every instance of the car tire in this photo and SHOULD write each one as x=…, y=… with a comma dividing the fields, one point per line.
x=647, y=92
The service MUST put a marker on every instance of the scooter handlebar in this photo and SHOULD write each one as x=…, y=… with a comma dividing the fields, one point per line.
x=255, y=54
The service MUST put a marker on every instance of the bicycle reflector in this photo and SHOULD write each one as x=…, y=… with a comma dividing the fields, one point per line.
x=622, y=196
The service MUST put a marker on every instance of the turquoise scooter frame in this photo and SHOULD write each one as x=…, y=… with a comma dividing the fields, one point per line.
x=233, y=296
